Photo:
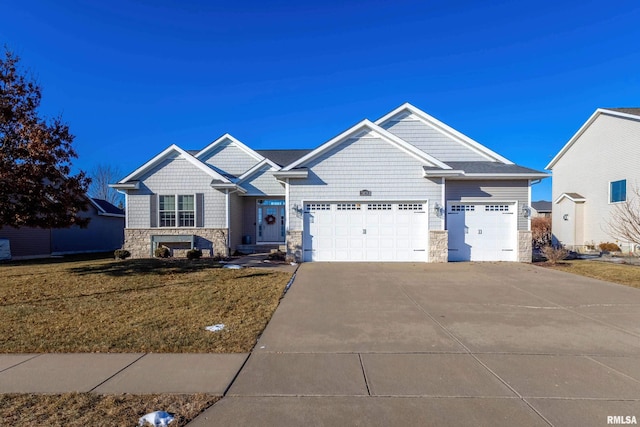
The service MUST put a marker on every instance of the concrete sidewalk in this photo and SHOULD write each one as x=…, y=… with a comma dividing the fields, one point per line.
x=490, y=344
x=115, y=373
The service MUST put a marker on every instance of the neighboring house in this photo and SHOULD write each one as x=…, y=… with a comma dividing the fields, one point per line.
x=541, y=209
x=592, y=173
x=406, y=187
x=105, y=232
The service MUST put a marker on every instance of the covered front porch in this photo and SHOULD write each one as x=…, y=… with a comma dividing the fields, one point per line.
x=258, y=225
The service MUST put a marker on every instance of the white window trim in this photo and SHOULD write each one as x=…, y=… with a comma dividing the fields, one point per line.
x=195, y=211
x=625, y=192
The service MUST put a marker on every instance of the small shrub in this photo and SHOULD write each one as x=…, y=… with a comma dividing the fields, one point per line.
x=554, y=254
x=277, y=256
x=541, y=232
x=121, y=254
x=194, y=253
x=609, y=247
x=162, y=252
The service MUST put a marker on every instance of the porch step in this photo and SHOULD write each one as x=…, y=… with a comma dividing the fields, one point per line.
x=257, y=249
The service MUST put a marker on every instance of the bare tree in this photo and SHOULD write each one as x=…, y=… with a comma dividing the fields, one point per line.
x=101, y=176
x=624, y=222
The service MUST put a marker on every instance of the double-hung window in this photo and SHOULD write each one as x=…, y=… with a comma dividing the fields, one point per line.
x=186, y=211
x=176, y=211
x=618, y=191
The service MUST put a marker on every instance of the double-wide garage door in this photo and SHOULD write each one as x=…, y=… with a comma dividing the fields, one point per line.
x=482, y=231
x=374, y=231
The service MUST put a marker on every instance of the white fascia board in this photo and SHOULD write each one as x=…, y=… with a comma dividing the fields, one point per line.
x=442, y=173
x=164, y=154
x=298, y=173
x=256, y=168
x=112, y=214
x=583, y=128
x=134, y=185
x=384, y=134
x=228, y=137
x=228, y=186
x=445, y=129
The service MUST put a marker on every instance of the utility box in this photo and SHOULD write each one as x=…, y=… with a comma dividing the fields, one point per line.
x=5, y=249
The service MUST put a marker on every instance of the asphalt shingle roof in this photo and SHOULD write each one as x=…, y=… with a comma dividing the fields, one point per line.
x=542, y=206
x=108, y=207
x=488, y=167
x=634, y=111
x=283, y=157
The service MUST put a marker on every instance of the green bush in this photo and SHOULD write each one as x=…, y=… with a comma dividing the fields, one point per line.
x=194, y=253
x=162, y=252
x=609, y=247
x=121, y=254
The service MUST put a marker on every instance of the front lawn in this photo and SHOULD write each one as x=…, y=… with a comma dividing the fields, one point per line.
x=623, y=274
x=89, y=409
x=148, y=305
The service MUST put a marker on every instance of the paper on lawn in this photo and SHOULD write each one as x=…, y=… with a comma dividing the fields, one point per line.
x=215, y=328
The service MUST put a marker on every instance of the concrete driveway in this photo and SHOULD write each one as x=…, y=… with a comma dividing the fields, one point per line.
x=442, y=344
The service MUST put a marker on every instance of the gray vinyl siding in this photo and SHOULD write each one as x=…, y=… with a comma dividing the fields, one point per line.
x=27, y=242
x=608, y=150
x=364, y=164
x=263, y=183
x=512, y=190
x=231, y=159
x=139, y=209
x=175, y=176
x=431, y=141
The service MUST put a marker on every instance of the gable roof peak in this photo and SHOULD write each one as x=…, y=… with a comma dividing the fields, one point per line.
x=228, y=137
x=446, y=130
x=359, y=127
x=171, y=150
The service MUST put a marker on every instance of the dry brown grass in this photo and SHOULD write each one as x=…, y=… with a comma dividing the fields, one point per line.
x=617, y=273
x=146, y=305
x=89, y=409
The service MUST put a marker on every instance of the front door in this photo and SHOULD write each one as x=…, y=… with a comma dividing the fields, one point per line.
x=270, y=221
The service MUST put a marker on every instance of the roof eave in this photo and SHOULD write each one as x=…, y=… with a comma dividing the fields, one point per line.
x=132, y=185
x=444, y=173
x=228, y=186
x=296, y=174
x=504, y=176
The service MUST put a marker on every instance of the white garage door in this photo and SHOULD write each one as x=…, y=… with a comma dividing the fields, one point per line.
x=482, y=231
x=375, y=231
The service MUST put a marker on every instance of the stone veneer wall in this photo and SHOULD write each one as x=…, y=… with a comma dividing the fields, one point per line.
x=294, y=245
x=212, y=241
x=438, y=246
x=525, y=248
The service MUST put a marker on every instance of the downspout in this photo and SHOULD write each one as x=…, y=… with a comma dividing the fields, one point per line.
x=531, y=183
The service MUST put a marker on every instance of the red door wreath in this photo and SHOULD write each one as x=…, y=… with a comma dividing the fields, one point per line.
x=270, y=219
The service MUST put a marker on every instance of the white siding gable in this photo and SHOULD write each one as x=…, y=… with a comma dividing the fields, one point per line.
x=230, y=158
x=430, y=140
x=607, y=150
x=364, y=163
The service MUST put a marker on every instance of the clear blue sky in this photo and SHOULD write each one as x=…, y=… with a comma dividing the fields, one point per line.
x=132, y=77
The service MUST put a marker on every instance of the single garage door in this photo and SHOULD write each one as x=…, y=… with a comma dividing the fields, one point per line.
x=482, y=231
x=374, y=231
